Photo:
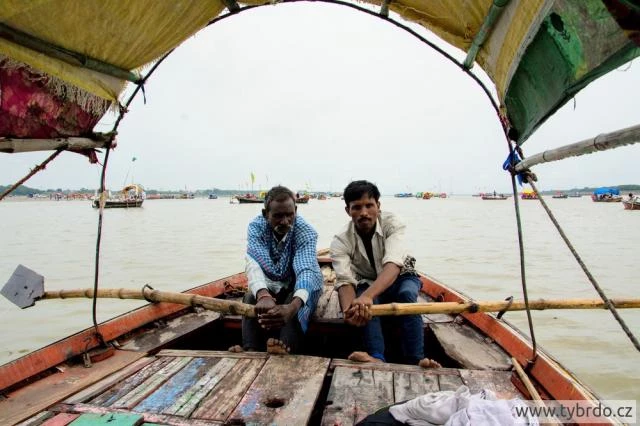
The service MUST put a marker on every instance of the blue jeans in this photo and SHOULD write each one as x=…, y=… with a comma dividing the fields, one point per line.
x=404, y=290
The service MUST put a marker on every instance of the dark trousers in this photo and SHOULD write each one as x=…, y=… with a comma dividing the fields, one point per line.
x=254, y=337
x=404, y=290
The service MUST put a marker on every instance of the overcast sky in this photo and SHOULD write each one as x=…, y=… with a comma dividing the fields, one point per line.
x=327, y=97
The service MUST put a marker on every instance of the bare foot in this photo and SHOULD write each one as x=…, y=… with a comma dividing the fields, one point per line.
x=277, y=347
x=429, y=363
x=362, y=357
x=236, y=348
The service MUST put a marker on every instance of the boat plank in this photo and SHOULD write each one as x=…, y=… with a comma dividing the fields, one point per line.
x=153, y=418
x=189, y=400
x=284, y=392
x=141, y=391
x=170, y=390
x=497, y=381
x=174, y=328
x=470, y=348
x=355, y=393
x=393, y=367
x=109, y=382
x=224, y=398
x=407, y=386
x=29, y=400
x=212, y=354
x=450, y=382
x=110, y=419
x=61, y=419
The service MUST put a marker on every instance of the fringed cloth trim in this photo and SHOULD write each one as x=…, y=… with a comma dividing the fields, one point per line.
x=89, y=102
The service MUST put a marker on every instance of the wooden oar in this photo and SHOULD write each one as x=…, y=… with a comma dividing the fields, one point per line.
x=496, y=306
x=211, y=303
x=25, y=287
x=239, y=308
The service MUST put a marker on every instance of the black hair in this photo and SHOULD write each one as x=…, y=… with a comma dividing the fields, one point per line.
x=278, y=193
x=356, y=189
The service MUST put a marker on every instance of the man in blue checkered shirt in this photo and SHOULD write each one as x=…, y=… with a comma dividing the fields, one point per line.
x=284, y=277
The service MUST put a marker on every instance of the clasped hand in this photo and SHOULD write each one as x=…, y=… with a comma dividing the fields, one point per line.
x=359, y=312
x=272, y=316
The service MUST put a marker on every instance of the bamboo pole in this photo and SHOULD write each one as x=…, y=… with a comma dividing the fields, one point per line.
x=496, y=306
x=606, y=141
x=210, y=303
x=239, y=308
x=535, y=396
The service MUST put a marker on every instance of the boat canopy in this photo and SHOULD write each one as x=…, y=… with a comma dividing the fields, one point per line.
x=61, y=68
x=606, y=190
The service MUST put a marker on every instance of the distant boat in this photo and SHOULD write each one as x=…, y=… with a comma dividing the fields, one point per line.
x=213, y=196
x=528, y=194
x=494, y=197
x=560, y=195
x=606, y=195
x=631, y=205
x=575, y=195
x=242, y=199
x=303, y=199
x=131, y=196
x=403, y=195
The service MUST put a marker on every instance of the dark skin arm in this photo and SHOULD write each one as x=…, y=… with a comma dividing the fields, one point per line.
x=272, y=316
x=360, y=306
x=346, y=295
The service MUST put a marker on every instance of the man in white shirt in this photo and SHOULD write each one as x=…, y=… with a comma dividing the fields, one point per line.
x=372, y=266
x=284, y=277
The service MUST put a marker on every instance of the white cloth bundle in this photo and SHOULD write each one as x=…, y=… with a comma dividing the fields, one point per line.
x=459, y=408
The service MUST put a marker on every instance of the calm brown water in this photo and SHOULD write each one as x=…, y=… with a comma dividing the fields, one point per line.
x=463, y=241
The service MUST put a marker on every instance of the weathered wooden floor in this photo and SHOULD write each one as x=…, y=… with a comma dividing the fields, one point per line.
x=210, y=387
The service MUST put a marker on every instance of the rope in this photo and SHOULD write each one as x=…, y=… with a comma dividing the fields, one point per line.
x=523, y=276
x=35, y=170
x=593, y=281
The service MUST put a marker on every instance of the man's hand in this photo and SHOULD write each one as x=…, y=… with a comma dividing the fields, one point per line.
x=279, y=315
x=359, y=312
x=265, y=302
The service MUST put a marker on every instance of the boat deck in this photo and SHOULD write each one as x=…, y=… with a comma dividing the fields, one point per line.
x=183, y=387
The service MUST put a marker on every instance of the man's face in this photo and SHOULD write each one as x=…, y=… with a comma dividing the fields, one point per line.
x=280, y=215
x=364, y=213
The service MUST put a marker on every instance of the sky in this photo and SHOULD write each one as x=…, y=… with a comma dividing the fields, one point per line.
x=312, y=96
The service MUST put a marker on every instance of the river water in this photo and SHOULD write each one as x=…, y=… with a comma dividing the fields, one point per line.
x=463, y=241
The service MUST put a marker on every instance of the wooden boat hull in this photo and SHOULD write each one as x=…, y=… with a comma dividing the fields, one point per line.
x=631, y=205
x=614, y=199
x=493, y=197
x=118, y=204
x=245, y=200
x=477, y=346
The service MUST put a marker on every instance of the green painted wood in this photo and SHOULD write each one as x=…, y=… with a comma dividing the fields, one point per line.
x=108, y=419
